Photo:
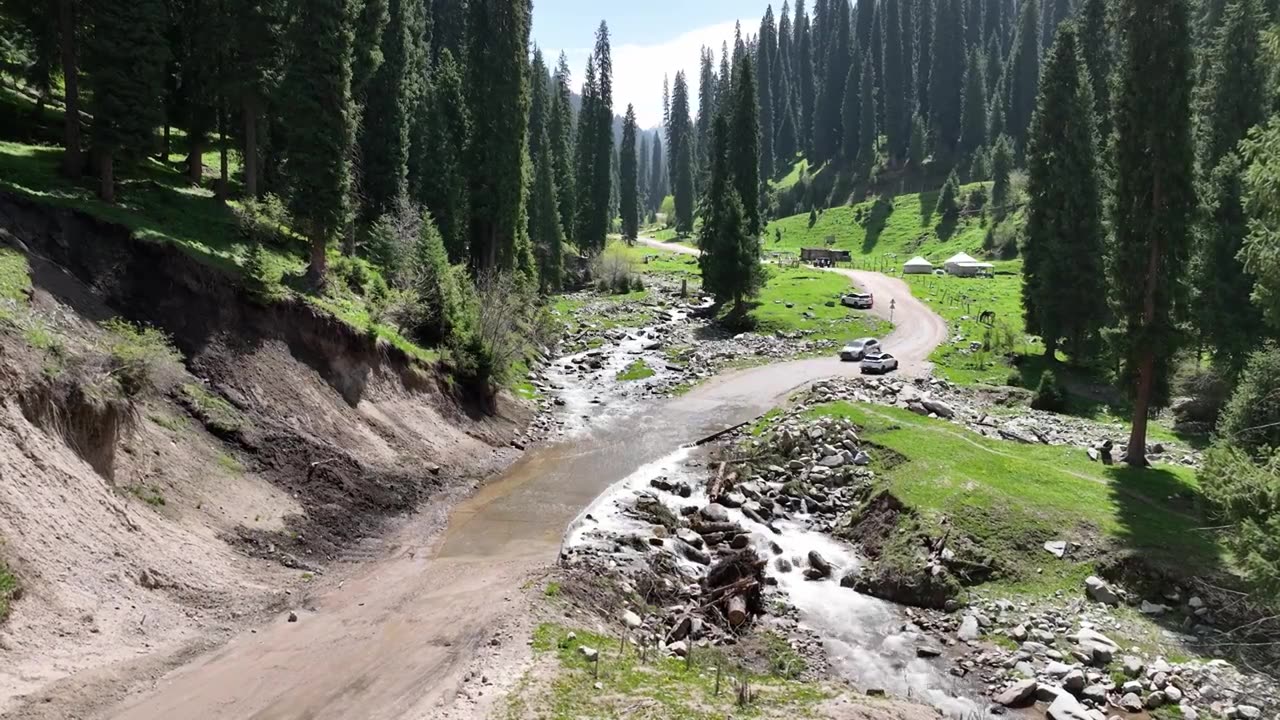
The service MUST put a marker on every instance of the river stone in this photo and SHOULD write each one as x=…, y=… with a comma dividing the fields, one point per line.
x=1248, y=712
x=1097, y=694
x=783, y=565
x=969, y=630
x=832, y=461
x=678, y=648
x=715, y=513
x=1156, y=699
x=1025, y=669
x=1099, y=591
x=862, y=459
x=939, y=408
x=819, y=564
x=740, y=542
x=1066, y=707
x=631, y=620
x=1174, y=694
x=732, y=500
x=1132, y=666
x=689, y=537
x=1018, y=633
x=694, y=554
x=1019, y=694
x=589, y=653
x=1074, y=681
x=1132, y=703
x=928, y=651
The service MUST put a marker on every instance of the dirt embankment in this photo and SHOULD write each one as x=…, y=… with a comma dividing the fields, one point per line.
x=145, y=530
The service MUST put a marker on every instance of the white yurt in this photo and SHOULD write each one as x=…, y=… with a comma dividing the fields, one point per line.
x=959, y=264
x=917, y=266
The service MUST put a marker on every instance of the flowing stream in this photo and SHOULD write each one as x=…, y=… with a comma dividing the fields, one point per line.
x=863, y=636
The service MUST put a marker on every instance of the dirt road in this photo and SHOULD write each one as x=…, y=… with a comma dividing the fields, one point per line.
x=395, y=641
x=917, y=329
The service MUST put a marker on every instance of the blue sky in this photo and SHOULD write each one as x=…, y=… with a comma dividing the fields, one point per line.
x=650, y=38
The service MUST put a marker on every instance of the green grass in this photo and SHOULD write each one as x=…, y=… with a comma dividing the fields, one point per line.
x=230, y=464
x=168, y=422
x=791, y=178
x=638, y=370
x=960, y=301
x=809, y=291
x=217, y=414
x=9, y=590
x=650, y=261
x=148, y=494
x=658, y=688
x=1010, y=499
x=909, y=227
x=15, y=276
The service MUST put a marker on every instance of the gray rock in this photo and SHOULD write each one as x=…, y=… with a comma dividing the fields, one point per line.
x=1156, y=699
x=1099, y=591
x=589, y=653
x=1018, y=633
x=928, y=651
x=1097, y=694
x=715, y=513
x=1025, y=669
x=861, y=459
x=939, y=408
x=1019, y=694
x=732, y=500
x=690, y=537
x=1066, y=707
x=819, y=564
x=783, y=565
x=1057, y=548
x=1132, y=666
x=832, y=461
x=1057, y=669
x=678, y=648
x=631, y=620
x=1132, y=703
x=1174, y=694
x=1153, y=609
x=969, y=629
x=1248, y=712
x=1074, y=681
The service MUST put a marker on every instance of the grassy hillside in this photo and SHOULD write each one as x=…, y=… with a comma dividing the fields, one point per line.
x=905, y=226
x=1009, y=499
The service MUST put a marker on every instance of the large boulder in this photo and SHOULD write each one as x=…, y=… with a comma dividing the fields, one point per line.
x=1020, y=694
x=1099, y=591
x=969, y=629
x=1066, y=707
x=939, y=408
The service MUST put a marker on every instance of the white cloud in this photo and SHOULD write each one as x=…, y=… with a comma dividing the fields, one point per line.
x=638, y=69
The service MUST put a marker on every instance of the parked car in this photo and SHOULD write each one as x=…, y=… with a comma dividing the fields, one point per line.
x=879, y=363
x=855, y=350
x=860, y=301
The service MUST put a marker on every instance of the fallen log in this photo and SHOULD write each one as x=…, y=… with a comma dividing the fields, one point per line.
x=737, y=613
x=716, y=488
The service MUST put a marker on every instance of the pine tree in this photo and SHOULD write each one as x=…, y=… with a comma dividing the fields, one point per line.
x=875, y=54
x=545, y=228
x=1233, y=99
x=418, y=92
x=126, y=60
x=681, y=146
x=730, y=259
x=449, y=28
x=706, y=112
x=918, y=151
x=744, y=137
x=897, y=128
x=948, y=207
x=766, y=50
x=368, y=23
x=444, y=189
x=584, y=162
x=1001, y=172
x=1096, y=44
x=851, y=112
x=1054, y=12
x=994, y=70
x=907, y=12
x=806, y=74
x=827, y=125
x=628, y=201
x=868, y=130
x=973, y=127
x=864, y=25
x=1064, y=289
x=657, y=177
x=603, y=125
x=387, y=112
x=498, y=100
x=946, y=82
x=1230, y=103
x=783, y=82
x=973, y=23
x=642, y=176
x=924, y=54
x=993, y=20
x=539, y=105
x=788, y=143
x=560, y=135
x=1151, y=200
x=321, y=127
x=201, y=59
x=1024, y=75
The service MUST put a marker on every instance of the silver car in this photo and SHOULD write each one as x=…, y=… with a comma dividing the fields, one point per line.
x=859, y=301
x=855, y=350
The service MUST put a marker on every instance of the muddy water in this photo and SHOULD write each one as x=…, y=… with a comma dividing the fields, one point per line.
x=863, y=636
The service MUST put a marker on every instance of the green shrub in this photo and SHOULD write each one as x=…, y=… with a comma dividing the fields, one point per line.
x=255, y=269
x=1049, y=395
x=948, y=207
x=1251, y=419
x=1014, y=379
x=264, y=221
x=139, y=358
x=9, y=590
x=1244, y=493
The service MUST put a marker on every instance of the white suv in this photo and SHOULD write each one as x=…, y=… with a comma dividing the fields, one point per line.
x=879, y=363
x=859, y=301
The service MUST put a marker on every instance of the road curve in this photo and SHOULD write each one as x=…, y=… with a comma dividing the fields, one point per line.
x=917, y=329
x=394, y=641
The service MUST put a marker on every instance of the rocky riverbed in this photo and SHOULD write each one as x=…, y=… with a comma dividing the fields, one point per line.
x=760, y=517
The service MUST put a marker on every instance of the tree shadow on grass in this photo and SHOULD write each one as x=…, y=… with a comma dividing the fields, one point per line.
x=879, y=213
x=928, y=204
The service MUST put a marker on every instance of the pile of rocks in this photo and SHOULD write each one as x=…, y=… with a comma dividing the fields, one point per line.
x=976, y=409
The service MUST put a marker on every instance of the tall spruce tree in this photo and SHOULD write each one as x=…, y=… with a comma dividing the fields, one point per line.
x=806, y=77
x=730, y=259
x=449, y=27
x=498, y=99
x=851, y=112
x=585, y=149
x=258, y=53
x=1096, y=42
x=320, y=133
x=706, y=114
x=642, y=175
x=864, y=25
x=546, y=234
x=681, y=146
x=827, y=124
x=602, y=184
x=126, y=61
x=418, y=91
x=628, y=191
x=744, y=136
x=1001, y=175
x=925, y=14
x=560, y=136
x=897, y=128
x=1151, y=200
x=766, y=49
x=946, y=81
x=1064, y=288
x=1053, y=13
x=868, y=130
x=973, y=126
x=875, y=54
x=657, y=176
x=387, y=115
x=1023, y=75
x=444, y=189
x=1231, y=102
